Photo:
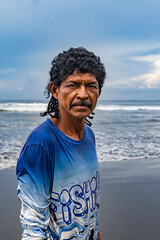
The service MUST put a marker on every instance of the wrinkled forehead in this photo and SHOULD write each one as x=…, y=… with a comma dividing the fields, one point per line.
x=78, y=76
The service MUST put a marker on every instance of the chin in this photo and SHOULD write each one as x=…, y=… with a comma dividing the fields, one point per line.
x=81, y=117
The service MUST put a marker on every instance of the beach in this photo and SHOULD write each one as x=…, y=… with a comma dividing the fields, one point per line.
x=127, y=142
x=129, y=201
x=9, y=206
x=123, y=129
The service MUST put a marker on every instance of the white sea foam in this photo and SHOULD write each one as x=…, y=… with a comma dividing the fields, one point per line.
x=120, y=133
x=23, y=107
x=38, y=107
x=126, y=108
x=7, y=164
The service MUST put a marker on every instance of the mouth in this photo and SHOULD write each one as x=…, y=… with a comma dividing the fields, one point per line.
x=81, y=105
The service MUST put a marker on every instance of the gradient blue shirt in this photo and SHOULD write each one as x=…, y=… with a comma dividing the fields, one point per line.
x=58, y=185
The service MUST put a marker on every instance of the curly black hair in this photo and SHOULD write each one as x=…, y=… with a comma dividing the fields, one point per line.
x=65, y=64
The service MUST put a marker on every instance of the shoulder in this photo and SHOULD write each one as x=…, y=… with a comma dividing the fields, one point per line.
x=88, y=130
x=37, y=153
x=42, y=135
x=39, y=146
x=89, y=133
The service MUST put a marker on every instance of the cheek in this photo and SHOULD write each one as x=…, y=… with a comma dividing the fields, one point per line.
x=94, y=98
x=64, y=99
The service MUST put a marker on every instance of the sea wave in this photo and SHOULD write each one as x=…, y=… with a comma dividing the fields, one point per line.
x=126, y=108
x=121, y=130
x=38, y=107
x=23, y=107
x=11, y=162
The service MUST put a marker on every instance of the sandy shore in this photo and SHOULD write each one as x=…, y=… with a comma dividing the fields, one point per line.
x=10, y=228
x=130, y=201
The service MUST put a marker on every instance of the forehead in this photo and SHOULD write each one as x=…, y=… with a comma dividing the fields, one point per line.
x=86, y=77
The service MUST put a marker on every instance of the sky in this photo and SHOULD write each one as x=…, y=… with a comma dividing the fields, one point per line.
x=124, y=33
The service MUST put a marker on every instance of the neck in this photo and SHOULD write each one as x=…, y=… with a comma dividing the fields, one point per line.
x=73, y=128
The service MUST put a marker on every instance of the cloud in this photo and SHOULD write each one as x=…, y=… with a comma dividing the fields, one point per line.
x=7, y=70
x=87, y=19
x=130, y=64
x=29, y=79
x=33, y=32
x=19, y=89
x=12, y=83
x=152, y=78
x=35, y=1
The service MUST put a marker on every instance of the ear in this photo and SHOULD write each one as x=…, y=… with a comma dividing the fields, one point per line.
x=53, y=90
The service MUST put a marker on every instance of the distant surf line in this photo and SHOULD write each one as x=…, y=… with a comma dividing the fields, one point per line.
x=38, y=107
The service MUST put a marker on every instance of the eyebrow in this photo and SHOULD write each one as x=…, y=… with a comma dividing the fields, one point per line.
x=93, y=82
x=79, y=81
x=72, y=81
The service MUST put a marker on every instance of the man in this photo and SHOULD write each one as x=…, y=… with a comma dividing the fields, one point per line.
x=58, y=168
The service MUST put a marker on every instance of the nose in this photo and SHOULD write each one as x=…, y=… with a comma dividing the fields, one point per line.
x=82, y=93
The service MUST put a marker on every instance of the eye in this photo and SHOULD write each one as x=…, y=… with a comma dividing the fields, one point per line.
x=92, y=86
x=73, y=85
x=70, y=85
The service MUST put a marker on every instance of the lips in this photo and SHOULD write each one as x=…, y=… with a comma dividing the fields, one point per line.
x=81, y=104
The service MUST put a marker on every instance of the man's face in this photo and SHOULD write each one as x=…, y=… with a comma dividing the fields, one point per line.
x=77, y=95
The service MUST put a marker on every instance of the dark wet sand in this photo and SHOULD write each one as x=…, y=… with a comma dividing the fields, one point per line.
x=10, y=228
x=130, y=201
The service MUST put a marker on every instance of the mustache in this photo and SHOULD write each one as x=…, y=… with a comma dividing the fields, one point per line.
x=81, y=103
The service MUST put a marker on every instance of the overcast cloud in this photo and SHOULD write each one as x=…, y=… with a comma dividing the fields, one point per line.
x=125, y=34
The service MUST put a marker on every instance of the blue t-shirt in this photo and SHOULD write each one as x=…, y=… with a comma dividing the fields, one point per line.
x=58, y=185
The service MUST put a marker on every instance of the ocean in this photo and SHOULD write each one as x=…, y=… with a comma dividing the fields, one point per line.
x=123, y=129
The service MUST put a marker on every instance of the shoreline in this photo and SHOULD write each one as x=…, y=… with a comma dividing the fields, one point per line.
x=10, y=167
x=129, y=201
